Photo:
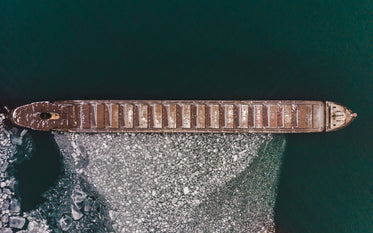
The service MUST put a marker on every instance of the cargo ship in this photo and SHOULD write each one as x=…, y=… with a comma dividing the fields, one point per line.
x=183, y=116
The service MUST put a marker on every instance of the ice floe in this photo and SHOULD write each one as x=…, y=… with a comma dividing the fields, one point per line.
x=149, y=183
x=179, y=182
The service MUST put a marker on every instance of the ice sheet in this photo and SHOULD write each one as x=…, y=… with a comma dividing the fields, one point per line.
x=180, y=182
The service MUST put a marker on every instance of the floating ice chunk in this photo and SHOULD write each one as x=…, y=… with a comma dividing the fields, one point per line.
x=6, y=230
x=88, y=202
x=78, y=197
x=23, y=133
x=12, y=184
x=5, y=218
x=65, y=222
x=6, y=203
x=17, y=222
x=17, y=140
x=4, y=166
x=7, y=191
x=36, y=225
x=186, y=190
x=15, y=206
x=76, y=213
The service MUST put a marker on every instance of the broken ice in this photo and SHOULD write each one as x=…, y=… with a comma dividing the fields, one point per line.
x=175, y=182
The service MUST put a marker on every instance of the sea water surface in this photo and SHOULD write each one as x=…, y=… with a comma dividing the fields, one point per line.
x=315, y=50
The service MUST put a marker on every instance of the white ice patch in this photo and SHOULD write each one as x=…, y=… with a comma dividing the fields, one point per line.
x=180, y=182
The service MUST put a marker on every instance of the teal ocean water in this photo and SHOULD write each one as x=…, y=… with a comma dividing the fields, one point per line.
x=317, y=50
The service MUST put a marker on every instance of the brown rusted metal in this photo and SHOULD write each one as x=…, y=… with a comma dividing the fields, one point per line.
x=272, y=116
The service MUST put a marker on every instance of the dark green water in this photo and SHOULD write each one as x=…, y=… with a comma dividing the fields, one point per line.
x=319, y=50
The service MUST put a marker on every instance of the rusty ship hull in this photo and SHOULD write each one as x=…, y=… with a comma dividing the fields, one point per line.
x=171, y=116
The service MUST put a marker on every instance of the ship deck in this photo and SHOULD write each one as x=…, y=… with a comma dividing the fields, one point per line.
x=175, y=116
